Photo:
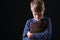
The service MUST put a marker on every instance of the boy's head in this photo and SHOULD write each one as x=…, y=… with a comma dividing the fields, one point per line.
x=37, y=8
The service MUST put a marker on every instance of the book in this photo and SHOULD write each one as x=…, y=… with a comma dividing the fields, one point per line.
x=38, y=26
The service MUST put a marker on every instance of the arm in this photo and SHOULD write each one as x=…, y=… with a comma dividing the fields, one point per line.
x=26, y=29
x=46, y=34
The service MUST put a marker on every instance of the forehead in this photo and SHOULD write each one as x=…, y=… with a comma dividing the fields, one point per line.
x=34, y=6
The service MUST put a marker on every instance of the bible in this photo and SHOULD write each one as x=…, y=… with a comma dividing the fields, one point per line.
x=36, y=27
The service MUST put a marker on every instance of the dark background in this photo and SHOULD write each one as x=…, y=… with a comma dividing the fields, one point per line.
x=16, y=12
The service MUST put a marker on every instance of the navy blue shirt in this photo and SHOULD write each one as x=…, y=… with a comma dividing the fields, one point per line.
x=46, y=35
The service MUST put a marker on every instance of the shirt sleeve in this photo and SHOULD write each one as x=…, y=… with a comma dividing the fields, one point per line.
x=46, y=35
x=26, y=29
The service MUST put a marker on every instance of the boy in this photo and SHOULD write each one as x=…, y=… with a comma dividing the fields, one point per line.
x=37, y=8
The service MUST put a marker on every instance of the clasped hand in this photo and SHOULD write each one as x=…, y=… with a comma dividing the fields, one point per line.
x=29, y=34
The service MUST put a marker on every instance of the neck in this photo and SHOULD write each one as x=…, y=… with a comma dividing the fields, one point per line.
x=37, y=19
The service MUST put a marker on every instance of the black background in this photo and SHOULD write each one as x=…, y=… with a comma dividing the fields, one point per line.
x=16, y=12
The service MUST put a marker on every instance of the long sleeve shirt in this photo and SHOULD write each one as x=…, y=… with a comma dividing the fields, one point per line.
x=46, y=35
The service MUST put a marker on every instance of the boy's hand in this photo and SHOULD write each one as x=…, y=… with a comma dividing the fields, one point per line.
x=29, y=34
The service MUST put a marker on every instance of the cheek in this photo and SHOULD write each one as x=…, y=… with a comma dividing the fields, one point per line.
x=35, y=16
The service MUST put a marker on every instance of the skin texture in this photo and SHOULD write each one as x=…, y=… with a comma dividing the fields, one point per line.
x=29, y=34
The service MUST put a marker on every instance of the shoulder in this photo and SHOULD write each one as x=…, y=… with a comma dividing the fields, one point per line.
x=29, y=20
x=47, y=18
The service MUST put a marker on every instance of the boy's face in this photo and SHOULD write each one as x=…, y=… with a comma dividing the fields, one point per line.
x=37, y=14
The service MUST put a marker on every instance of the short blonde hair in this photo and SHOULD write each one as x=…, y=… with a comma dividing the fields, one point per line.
x=39, y=5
